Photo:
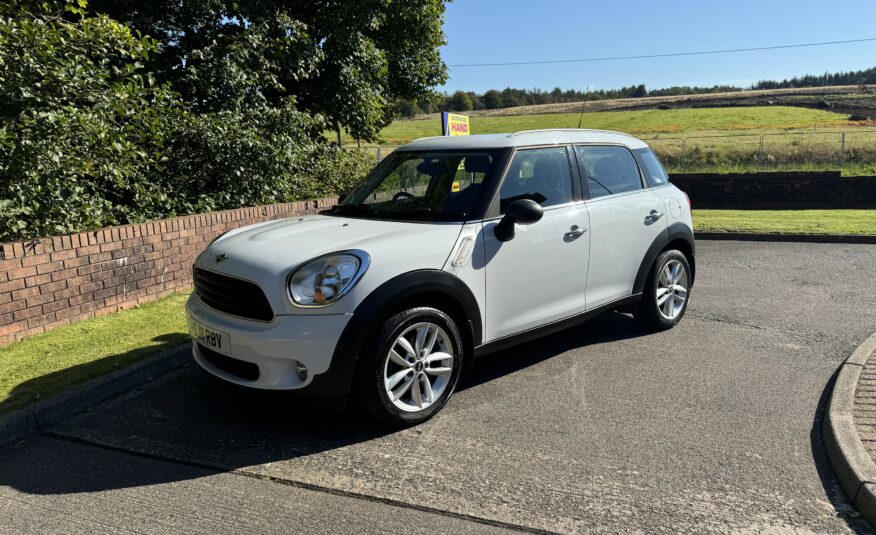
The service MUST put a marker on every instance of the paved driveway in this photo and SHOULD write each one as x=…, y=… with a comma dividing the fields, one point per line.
x=714, y=426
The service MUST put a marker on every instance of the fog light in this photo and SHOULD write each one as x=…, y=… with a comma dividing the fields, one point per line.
x=301, y=370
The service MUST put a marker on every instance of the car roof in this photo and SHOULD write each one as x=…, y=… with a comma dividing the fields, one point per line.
x=525, y=138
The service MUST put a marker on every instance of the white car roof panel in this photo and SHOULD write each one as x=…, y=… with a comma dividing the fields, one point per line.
x=523, y=139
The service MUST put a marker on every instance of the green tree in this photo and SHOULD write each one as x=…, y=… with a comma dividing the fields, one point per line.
x=89, y=138
x=407, y=108
x=459, y=101
x=477, y=102
x=347, y=61
x=82, y=126
x=492, y=99
x=510, y=98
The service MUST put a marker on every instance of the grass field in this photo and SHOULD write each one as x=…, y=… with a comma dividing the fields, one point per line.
x=47, y=364
x=718, y=140
x=643, y=123
x=787, y=221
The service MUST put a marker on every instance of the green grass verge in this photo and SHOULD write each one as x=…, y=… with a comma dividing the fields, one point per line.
x=47, y=364
x=787, y=221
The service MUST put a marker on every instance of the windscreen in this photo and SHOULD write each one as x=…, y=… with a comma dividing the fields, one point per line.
x=422, y=185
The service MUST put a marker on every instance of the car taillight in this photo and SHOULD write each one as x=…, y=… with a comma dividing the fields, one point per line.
x=686, y=196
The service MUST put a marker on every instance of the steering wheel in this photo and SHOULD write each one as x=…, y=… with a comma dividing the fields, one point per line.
x=402, y=195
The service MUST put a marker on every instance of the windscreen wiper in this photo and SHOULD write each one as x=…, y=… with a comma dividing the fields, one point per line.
x=352, y=209
x=431, y=214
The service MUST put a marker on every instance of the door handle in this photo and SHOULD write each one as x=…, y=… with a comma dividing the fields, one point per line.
x=653, y=216
x=574, y=232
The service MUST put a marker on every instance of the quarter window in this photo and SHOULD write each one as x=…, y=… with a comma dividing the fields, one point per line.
x=609, y=169
x=541, y=175
x=654, y=172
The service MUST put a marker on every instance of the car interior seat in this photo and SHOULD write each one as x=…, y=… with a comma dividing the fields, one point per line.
x=548, y=176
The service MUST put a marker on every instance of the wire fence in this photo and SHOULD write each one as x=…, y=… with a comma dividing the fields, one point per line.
x=851, y=152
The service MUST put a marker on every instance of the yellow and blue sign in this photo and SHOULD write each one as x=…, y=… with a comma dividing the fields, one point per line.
x=453, y=124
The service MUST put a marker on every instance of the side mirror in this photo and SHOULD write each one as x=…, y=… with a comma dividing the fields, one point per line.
x=342, y=196
x=519, y=212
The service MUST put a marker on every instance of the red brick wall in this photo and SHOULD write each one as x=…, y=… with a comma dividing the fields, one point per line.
x=49, y=282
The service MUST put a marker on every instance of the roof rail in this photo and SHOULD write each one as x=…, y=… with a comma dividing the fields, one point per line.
x=537, y=131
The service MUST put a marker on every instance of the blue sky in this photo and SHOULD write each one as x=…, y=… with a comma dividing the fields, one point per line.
x=482, y=31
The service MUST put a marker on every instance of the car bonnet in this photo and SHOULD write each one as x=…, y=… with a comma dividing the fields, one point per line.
x=266, y=253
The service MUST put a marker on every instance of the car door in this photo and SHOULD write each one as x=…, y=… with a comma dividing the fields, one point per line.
x=540, y=275
x=625, y=219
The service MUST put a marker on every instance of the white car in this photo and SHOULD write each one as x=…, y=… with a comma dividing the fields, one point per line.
x=453, y=247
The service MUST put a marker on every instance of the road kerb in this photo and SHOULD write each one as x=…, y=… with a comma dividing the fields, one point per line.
x=17, y=425
x=774, y=237
x=853, y=466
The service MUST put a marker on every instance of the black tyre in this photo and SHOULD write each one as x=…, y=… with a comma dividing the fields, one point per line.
x=667, y=292
x=409, y=371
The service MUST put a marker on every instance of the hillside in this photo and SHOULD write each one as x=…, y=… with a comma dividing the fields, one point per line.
x=841, y=97
x=644, y=122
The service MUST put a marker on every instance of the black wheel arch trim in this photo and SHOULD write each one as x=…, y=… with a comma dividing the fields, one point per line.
x=675, y=231
x=391, y=293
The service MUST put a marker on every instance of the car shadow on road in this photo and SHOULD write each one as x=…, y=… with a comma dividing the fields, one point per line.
x=607, y=328
x=206, y=427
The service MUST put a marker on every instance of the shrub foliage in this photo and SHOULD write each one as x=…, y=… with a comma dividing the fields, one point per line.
x=91, y=136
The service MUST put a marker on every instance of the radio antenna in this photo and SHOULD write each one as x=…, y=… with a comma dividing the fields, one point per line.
x=584, y=103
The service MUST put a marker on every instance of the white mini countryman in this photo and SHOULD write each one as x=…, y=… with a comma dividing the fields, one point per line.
x=453, y=247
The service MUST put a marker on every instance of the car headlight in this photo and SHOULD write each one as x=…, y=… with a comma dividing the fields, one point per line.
x=326, y=279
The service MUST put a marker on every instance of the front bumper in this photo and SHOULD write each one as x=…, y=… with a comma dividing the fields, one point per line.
x=276, y=347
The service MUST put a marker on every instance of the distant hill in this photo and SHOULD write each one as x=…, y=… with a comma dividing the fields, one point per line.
x=853, y=100
x=464, y=101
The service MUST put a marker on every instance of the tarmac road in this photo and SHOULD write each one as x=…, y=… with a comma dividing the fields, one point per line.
x=712, y=427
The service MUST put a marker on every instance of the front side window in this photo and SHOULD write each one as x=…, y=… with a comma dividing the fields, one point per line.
x=422, y=186
x=610, y=169
x=654, y=172
x=541, y=175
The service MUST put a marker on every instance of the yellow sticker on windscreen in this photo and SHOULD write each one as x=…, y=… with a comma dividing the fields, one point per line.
x=455, y=186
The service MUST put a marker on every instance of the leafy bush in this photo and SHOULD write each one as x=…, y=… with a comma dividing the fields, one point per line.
x=258, y=156
x=88, y=139
x=81, y=125
x=333, y=170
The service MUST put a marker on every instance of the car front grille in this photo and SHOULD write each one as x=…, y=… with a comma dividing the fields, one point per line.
x=231, y=295
x=235, y=367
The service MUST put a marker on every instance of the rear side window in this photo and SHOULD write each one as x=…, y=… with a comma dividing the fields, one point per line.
x=541, y=175
x=609, y=169
x=654, y=172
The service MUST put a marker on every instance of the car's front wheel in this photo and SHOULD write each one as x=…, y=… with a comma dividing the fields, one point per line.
x=667, y=292
x=410, y=370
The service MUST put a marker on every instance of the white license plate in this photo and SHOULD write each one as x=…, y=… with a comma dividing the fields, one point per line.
x=218, y=341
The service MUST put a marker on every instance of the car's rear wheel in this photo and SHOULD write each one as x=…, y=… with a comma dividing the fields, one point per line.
x=410, y=371
x=667, y=292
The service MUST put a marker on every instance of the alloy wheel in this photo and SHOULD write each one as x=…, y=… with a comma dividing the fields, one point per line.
x=418, y=367
x=672, y=287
